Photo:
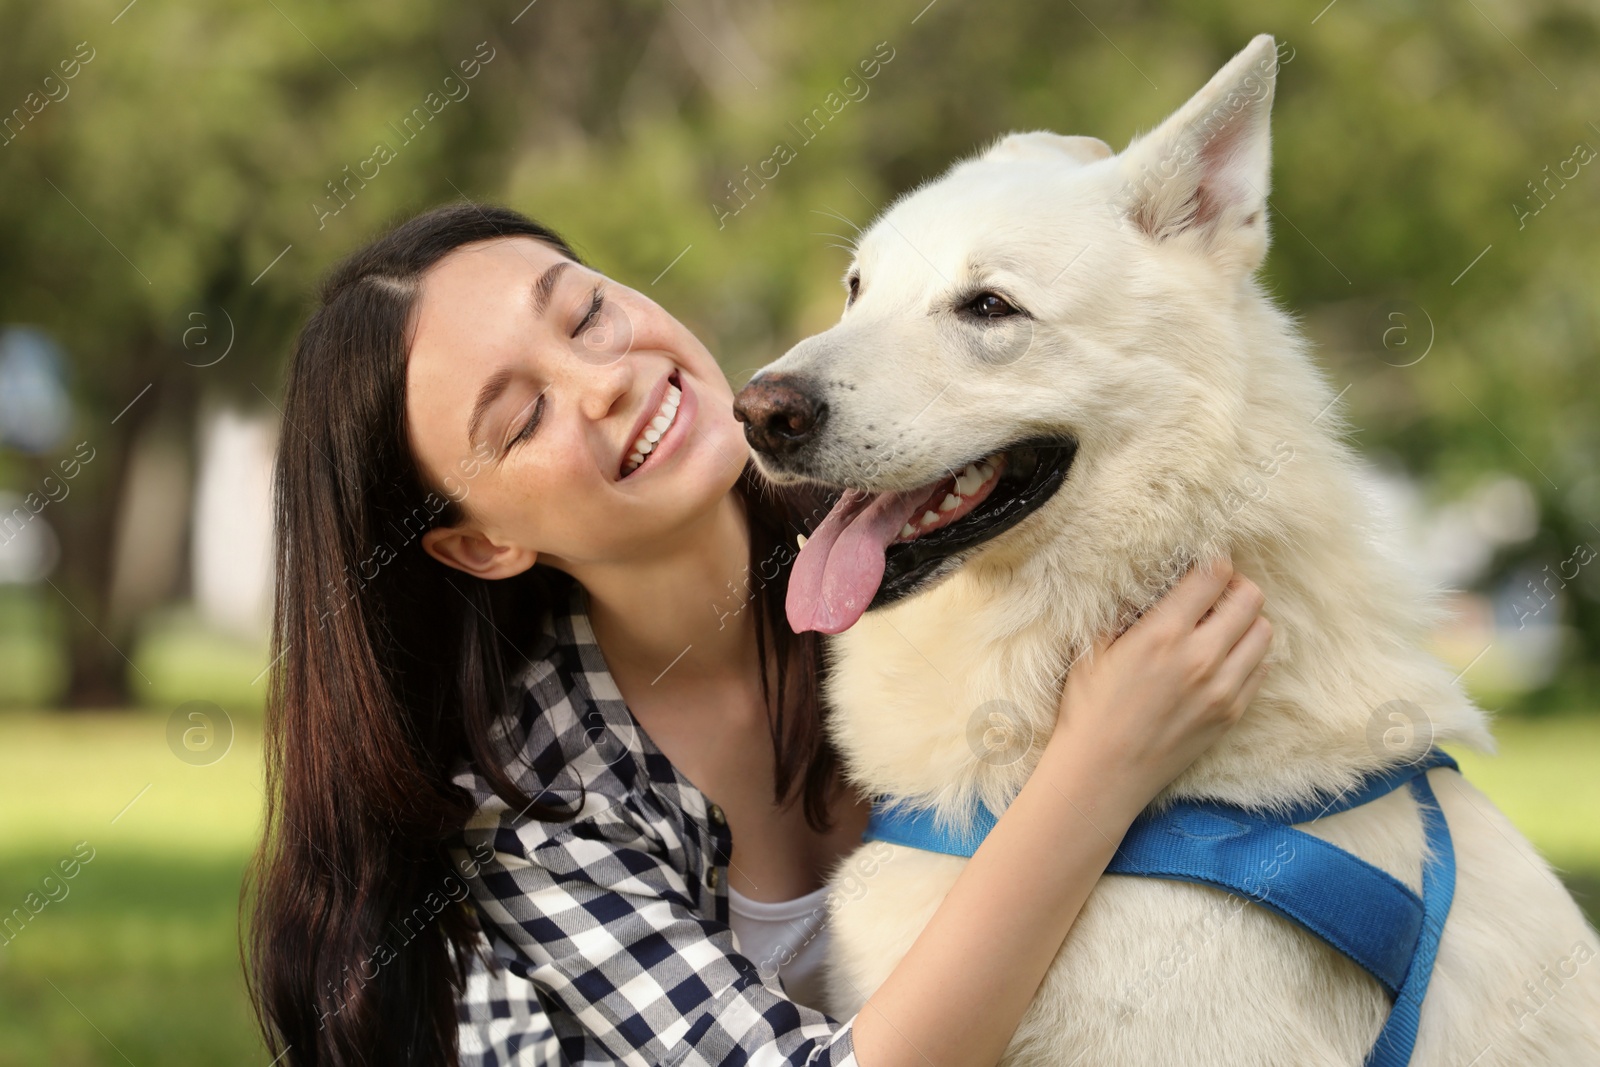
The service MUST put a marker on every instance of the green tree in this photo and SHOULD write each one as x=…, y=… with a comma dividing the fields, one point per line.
x=188, y=173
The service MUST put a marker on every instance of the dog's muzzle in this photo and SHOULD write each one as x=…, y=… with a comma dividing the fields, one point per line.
x=780, y=414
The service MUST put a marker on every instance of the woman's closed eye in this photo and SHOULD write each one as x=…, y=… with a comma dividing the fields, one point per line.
x=596, y=302
x=529, y=426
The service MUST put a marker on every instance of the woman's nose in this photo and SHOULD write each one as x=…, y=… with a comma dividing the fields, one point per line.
x=602, y=387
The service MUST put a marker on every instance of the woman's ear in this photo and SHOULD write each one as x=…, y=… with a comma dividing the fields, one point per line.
x=469, y=551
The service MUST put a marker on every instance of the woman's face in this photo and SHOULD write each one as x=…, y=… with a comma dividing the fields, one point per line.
x=530, y=382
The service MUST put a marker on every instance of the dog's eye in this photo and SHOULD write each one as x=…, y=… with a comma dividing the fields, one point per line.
x=855, y=290
x=989, y=306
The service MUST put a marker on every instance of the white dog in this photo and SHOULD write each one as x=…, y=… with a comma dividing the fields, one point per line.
x=1057, y=383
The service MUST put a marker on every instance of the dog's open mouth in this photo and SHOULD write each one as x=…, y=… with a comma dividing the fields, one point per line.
x=874, y=548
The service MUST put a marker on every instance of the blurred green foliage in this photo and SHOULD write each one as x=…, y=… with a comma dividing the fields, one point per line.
x=194, y=165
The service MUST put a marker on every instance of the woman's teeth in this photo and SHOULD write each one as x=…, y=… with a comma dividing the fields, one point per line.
x=653, y=430
x=973, y=477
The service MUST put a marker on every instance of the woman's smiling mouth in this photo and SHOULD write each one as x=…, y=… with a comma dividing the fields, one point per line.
x=651, y=436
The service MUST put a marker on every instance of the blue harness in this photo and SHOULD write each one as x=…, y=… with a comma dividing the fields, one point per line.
x=1360, y=910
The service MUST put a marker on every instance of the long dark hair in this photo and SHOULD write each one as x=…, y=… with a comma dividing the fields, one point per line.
x=390, y=668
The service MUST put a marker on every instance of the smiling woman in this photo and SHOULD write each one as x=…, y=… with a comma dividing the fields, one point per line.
x=468, y=370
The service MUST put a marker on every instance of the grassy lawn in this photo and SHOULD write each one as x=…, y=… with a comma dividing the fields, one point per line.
x=138, y=963
x=1544, y=778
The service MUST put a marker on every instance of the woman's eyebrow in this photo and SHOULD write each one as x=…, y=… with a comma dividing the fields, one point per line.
x=546, y=285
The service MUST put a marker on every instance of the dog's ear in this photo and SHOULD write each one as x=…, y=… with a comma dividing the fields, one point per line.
x=1042, y=144
x=1204, y=172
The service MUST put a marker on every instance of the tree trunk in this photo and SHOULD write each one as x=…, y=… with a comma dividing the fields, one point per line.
x=99, y=648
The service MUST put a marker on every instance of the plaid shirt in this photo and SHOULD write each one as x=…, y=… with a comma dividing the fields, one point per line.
x=611, y=928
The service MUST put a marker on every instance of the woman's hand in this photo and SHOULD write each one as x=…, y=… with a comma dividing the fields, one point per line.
x=1143, y=706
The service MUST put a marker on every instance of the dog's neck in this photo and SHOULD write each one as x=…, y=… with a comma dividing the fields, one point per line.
x=949, y=696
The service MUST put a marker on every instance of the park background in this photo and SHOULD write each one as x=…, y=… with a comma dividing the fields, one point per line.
x=177, y=175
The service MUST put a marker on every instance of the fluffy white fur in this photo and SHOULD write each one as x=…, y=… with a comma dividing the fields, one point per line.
x=1203, y=426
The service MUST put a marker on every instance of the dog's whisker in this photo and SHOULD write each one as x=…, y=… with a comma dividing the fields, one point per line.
x=842, y=218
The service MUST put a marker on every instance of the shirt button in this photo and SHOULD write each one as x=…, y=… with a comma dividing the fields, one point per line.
x=713, y=876
x=717, y=816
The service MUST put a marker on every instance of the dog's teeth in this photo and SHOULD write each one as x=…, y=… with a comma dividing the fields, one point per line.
x=929, y=516
x=950, y=502
x=986, y=471
x=908, y=530
x=800, y=540
x=968, y=481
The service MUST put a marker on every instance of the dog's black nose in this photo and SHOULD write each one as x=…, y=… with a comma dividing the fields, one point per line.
x=779, y=414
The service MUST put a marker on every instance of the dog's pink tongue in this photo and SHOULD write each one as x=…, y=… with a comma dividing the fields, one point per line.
x=838, y=571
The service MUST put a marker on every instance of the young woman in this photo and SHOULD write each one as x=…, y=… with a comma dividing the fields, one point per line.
x=525, y=654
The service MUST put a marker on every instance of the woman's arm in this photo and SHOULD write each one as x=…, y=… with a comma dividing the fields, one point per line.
x=1133, y=717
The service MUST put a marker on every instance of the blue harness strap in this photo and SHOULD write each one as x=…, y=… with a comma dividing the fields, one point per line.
x=1357, y=908
x=1287, y=871
x=1399, y=1033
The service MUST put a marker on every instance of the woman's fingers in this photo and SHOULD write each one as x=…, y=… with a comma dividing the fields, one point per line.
x=1239, y=605
x=1247, y=655
x=1194, y=594
x=1247, y=692
x=1253, y=680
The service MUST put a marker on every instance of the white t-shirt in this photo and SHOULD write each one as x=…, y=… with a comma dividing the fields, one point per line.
x=789, y=936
